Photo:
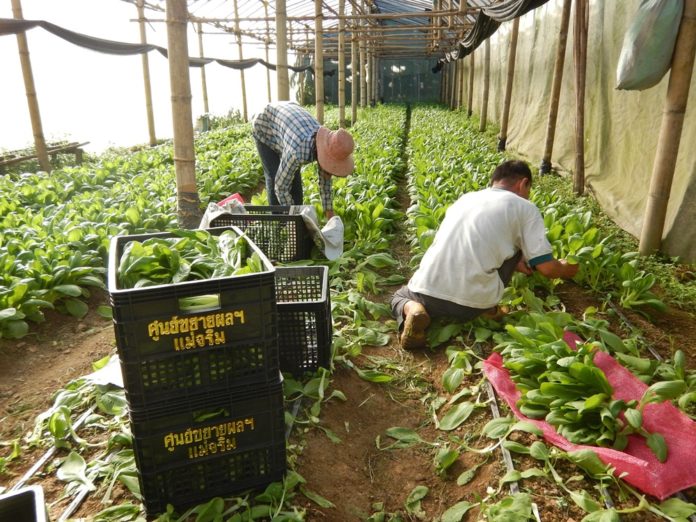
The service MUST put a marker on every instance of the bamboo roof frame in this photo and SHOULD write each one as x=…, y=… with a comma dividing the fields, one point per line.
x=413, y=28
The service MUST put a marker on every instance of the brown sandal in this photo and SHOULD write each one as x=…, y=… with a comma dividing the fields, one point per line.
x=416, y=322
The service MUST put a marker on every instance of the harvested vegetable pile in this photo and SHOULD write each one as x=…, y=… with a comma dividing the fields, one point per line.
x=191, y=255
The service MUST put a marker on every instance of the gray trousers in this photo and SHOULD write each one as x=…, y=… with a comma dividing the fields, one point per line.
x=443, y=308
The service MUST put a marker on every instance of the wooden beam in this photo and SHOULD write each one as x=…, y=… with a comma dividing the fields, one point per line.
x=580, y=58
x=184, y=159
x=545, y=167
x=670, y=131
x=318, y=63
x=146, y=75
x=502, y=137
x=30, y=89
x=282, y=51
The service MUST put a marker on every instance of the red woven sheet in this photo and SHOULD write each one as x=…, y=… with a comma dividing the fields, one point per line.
x=643, y=470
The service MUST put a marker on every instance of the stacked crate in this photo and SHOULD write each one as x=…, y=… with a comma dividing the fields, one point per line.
x=203, y=387
x=304, y=318
x=282, y=236
x=302, y=292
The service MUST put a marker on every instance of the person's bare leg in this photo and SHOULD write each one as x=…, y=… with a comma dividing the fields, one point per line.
x=416, y=321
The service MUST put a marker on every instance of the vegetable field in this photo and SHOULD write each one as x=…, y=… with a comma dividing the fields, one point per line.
x=385, y=434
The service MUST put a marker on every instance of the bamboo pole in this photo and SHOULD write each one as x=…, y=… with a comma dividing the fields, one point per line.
x=470, y=101
x=204, y=86
x=453, y=88
x=282, y=51
x=502, y=138
x=486, y=84
x=375, y=79
x=580, y=59
x=240, y=50
x=268, y=47
x=30, y=90
x=363, y=73
x=670, y=131
x=184, y=159
x=146, y=75
x=341, y=66
x=318, y=62
x=545, y=167
x=354, y=80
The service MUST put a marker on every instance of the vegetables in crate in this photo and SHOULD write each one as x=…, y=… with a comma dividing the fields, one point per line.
x=190, y=255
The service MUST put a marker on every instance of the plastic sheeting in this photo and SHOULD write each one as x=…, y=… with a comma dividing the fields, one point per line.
x=621, y=127
x=642, y=469
x=12, y=26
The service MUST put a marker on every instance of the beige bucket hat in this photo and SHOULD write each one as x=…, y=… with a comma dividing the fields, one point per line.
x=335, y=151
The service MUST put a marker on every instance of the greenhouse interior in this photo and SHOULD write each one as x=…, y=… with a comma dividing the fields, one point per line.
x=348, y=260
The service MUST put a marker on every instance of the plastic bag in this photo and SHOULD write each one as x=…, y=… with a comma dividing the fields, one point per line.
x=646, y=54
x=637, y=463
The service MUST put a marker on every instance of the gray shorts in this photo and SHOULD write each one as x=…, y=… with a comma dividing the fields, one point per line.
x=443, y=308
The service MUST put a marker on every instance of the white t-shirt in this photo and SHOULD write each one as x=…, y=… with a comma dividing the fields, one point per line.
x=480, y=231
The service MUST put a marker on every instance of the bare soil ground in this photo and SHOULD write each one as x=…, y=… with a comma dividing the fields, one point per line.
x=355, y=475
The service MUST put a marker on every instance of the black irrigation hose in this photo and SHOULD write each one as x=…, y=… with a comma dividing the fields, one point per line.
x=49, y=453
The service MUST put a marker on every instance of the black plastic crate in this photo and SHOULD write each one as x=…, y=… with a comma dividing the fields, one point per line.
x=188, y=452
x=183, y=375
x=280, y=235
x=23, y=505
x=166, y=351
x=304, y=318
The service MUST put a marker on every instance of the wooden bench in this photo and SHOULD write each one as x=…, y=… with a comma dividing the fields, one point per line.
x=53, y=150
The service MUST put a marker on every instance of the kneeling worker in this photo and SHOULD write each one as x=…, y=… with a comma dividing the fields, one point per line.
x=485, y=236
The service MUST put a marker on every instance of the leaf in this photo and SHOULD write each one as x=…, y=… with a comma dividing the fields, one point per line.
x=497, y=428
x=467, y=476
x=657, y=444
x=603, y=515
x=76, y=308
x=452, y=378
x=665, y=390
x=71, y=290
x=585, y=501
x=373, y=375
x=412, y=503
x=634, y=417
x=676, y=508
x=512, y=508
x=404, y=435
x=456, y=415
x=456, y=512
x=74, y=469
x=316, y=498
x=445, y=458
x=588, y=461
x=539, y=451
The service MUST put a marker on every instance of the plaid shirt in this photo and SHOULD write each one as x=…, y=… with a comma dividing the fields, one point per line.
x=290, y=131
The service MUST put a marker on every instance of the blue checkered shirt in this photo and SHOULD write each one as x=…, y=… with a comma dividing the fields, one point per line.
x=290, y=131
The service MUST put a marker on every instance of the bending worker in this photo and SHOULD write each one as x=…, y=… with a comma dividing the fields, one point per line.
x=288, y=137
x=485, y=236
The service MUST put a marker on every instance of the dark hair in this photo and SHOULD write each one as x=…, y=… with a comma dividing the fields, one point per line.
x=512, y=170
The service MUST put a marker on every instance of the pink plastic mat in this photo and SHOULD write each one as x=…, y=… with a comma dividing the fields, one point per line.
x=642, y=469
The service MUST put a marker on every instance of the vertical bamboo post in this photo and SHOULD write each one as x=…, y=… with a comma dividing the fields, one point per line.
x=545, y=167
x=455, y=77
x=580, y=55
x=363, y=72
x=146, y=75
x=486, y=84
x=341, y=65
x=460, y=83
x=304, y=56
x=502, y=138
x=354, y=80
x=184, y=158
x=282, y=51
x=670, y=131
x=443, y=84
x=470, y=101
x=318, y=61
x=268, y=47
x=30, y=89
x=237, y=31
x=204, y=86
